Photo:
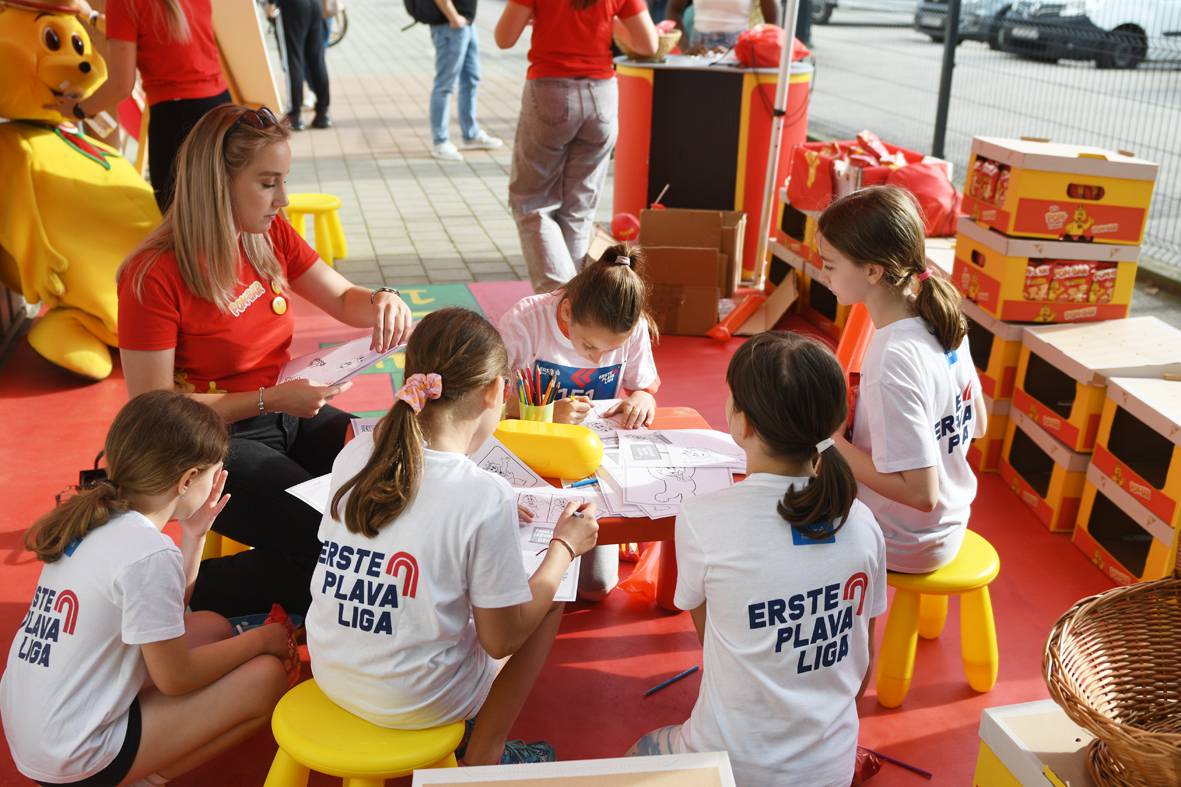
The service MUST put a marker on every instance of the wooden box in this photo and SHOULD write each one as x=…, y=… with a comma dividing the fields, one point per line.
x=1044, y=473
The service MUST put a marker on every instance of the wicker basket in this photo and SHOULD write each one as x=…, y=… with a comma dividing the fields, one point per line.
x=664, y=46
x=1113, y=662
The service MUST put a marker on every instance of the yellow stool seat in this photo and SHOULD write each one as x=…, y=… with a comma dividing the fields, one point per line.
x=217, y=545
x=920, y=609
x=315, y=733
x=324, y=210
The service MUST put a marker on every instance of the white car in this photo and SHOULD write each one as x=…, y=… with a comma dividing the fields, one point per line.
x=1113, y=33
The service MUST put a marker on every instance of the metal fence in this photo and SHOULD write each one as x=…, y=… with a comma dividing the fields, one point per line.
x=874, y=70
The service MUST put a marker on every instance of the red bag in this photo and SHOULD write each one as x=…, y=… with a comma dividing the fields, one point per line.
x=762, y=47
x=940, y=202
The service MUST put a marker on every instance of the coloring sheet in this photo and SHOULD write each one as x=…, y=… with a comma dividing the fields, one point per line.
x=547, y=503
x=335, y=365
x=606, y=428
x=495, y=457
x=537, y=537
x=680, y=448
x=671, y=486
x=315, y=492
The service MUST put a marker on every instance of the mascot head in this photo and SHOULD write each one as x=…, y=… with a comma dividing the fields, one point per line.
x=44, y=52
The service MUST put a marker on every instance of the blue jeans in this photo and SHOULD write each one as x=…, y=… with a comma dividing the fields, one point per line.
x=457, y=57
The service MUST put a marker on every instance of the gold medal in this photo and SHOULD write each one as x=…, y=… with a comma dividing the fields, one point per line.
x=279, y=305
x=275, y=288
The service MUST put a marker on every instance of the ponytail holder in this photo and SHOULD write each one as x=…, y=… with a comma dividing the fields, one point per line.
x=926, y=274
x=418, y=388
x=622, y=261
x=824, y=445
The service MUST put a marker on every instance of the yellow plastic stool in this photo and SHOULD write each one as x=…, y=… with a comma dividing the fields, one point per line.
x=315, y=733
x=217, y=545
x=323, y=208
x=920, y=608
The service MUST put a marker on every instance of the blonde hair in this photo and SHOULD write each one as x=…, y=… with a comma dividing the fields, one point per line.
x=175, y=23
x=883, y=225
x=199, y=227
x=154, y=440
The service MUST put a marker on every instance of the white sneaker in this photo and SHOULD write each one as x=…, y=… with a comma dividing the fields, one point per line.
x=446, y=151
x=483, y=141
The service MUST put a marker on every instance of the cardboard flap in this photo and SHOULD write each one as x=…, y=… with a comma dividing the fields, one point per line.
x=777, y=303
x=1155, y=402
x=685, y=266
x=681, y=228
x=1071, y=159
x=1093, y=352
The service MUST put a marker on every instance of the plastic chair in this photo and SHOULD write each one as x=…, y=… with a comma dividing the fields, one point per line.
x=324, y=210
x=314, y=733
x=920, y=609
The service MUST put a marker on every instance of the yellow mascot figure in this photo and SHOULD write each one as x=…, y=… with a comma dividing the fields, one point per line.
x=72, y=208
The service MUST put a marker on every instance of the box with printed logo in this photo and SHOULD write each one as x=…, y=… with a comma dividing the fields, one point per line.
x=996, y=349
x=1045, y=474
x=1139, y=443
x=1043, y=281
x=1125, y=540
x=1038, y=189
x=1063, y=372
x=984, y=455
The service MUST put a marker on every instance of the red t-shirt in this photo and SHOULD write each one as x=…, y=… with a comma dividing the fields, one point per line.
x=169, y=70
x=239, y=350
x=568, y=42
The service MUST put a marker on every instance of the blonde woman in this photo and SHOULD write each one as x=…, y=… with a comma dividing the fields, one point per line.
x=171, y=43
x=205, y=307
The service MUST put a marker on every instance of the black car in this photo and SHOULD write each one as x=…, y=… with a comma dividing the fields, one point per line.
x=980, y=20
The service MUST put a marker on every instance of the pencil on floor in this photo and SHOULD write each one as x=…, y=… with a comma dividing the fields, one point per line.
x=671, y=680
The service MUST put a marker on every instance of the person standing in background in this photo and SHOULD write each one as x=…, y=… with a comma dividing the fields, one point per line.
x=303, y=37
x=717, y=23
x=457, y=59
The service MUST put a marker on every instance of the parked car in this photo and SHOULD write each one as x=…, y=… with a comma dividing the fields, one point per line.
x=822, y=9
x=1112, y=33
x=980, y=20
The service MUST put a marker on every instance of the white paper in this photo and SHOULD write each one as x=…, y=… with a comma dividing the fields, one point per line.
x=672, y=486
x=314, y=492
x=363, y=425
x=495, y=457
x=335, y=365
x=680, y=448
x=537, y=537
x=604, y=427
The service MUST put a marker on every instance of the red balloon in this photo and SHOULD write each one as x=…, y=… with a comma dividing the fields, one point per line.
x=625, y=226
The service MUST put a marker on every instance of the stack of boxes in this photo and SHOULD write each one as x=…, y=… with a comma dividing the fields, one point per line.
x=1052, y=236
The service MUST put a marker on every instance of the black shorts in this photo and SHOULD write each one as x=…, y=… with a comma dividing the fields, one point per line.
x=117, y=771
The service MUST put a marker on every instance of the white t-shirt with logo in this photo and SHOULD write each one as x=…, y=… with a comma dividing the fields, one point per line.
x=786, y=634
x=533, y=339
x=916, y=409
x=721, y=16
x=75, y=664
x=390, y=629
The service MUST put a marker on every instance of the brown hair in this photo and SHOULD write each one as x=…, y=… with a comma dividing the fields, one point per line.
x=883, y=225
x=155, y=438
x=612, y=294
x=199, y=227
x=466, y=351
x=792, y=391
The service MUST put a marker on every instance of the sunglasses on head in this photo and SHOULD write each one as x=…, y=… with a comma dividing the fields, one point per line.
x=255, y=118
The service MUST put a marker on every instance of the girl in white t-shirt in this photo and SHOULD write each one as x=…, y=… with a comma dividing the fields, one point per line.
x=783, y=574
x=919, y=405
x=108, y=680
x=593, y=339
x=420, y=583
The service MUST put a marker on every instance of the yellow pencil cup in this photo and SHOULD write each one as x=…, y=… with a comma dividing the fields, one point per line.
x=534, y=412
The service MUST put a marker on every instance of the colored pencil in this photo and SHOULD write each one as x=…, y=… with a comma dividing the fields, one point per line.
x=537, y=390
x=671, y=680
x=584, y=482
x=525, y=382
x=900, y=763
x=549, y=390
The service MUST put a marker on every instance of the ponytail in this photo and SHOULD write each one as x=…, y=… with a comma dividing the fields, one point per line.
x=612, y=292
x=460, y=352
x=51, y=535
x=792, y=392
x=938, y=303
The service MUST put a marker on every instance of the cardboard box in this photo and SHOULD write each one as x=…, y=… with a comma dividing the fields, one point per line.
x=720, y=230
x=1125, y=540
x=1063, y=372
x=991, y=270
x=1045, y=474
x=984, y=455
x=1139, y=443
x=1038, y=189
x=1034, y=743
x=684, y=288
x=996, y=350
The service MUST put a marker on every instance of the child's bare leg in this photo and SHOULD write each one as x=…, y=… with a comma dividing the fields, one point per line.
x=202, y=628
x=509, y=692
x=181, y=732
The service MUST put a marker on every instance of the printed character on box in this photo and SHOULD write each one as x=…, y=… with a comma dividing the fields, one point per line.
x=75, y=207
x=1079, y=226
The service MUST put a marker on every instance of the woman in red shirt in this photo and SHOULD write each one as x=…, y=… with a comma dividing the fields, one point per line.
x=172, y=45
x=568, y=123
x=204, y=308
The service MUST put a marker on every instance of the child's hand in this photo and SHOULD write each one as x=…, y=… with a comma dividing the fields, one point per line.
x=199, y=522
x=275, y=641
x=637, y=410
x=579, y=527
x=571, y=410
x=524, y=514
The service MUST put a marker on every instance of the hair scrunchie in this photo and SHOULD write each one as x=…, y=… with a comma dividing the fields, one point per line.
x=418, y=388
x=622, y=261
x=926, y=274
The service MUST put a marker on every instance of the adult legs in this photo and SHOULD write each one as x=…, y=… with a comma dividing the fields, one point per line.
x=469, y=81
x=588, y=157
x=297, y=24
x=450, y=50
x=170, y=122
x=315, y=62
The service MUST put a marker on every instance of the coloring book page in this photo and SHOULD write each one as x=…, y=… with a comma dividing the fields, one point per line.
x=535, y=538
x=606, y=428
x=495, y=457
x=680, y=448
x=547, y=503
x=335, y=365
x=671, y=486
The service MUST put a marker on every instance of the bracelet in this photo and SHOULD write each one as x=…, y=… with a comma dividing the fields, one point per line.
x=565, y=543
x=384, y=289
x=262, y=408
